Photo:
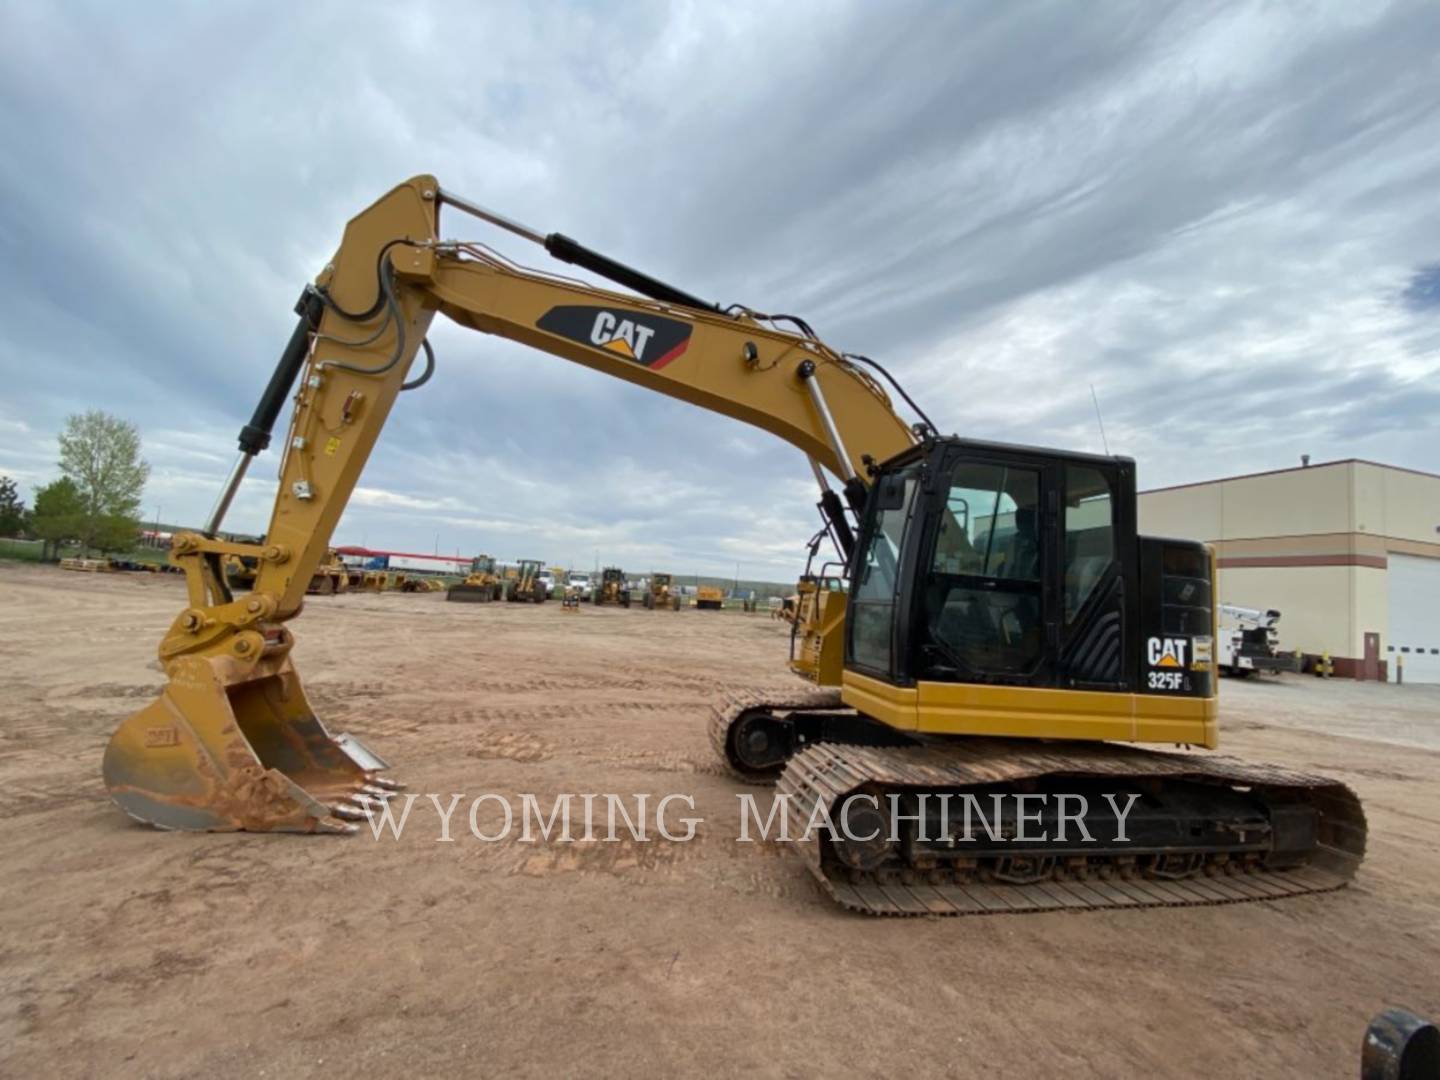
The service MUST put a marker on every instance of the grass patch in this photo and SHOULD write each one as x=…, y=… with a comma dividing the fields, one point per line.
x=34, y=550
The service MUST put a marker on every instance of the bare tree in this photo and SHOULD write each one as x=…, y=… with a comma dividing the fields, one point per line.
x=101, y=454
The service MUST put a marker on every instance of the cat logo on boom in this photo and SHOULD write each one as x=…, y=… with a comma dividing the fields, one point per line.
x=624, y=336
x=648, y=339
x=1166, y=652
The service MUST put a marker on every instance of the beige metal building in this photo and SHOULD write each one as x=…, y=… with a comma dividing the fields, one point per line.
x=1347, y=551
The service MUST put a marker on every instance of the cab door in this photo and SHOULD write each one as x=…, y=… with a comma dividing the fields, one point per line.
x=985, y=595
x=875, y=639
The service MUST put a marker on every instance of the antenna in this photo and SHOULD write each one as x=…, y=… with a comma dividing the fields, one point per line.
x=1099, y=419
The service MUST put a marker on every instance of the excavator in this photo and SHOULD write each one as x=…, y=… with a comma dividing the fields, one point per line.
x=1004, y=632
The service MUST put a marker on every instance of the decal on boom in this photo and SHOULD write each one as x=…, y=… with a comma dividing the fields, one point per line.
x=650, y=340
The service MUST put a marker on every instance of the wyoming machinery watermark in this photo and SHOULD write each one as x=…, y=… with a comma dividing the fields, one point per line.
x=945, y=818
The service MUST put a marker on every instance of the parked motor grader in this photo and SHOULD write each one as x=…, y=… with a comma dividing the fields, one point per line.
x=1006, y=630
x=527, y=586
x=611, y=588
x=481, y=586
x=662, y=594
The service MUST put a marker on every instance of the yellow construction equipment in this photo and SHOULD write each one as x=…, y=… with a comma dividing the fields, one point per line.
x=375, y=581
x=1002, y=627
x=662, y=594
x=611, y=588
x=527, y=586
x=481, y=586
x=330, y=577
x=87, y=566
x=709, y=597
x=240, y=571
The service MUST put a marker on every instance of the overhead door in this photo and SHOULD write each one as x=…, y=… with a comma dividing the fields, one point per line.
x=1414, y=586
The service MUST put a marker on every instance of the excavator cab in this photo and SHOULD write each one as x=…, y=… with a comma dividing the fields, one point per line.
x=1015, y=568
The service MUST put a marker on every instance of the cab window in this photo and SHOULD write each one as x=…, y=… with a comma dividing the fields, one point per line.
x=982, y=601
x=1089, y=535
x=873, y=596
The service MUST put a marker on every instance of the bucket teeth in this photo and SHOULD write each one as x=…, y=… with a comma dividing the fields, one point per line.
x=349, y=812
x=331, y=825
x=375, y=790
x=386, y=782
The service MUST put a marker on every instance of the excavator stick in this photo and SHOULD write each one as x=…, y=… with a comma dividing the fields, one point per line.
x=235, y=746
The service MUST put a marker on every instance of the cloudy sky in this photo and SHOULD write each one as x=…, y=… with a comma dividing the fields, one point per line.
x=1224, y=217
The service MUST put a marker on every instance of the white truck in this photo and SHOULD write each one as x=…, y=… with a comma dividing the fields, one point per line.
x=1249, y=641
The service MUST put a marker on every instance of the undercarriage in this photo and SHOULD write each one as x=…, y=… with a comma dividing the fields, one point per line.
x=892, y=824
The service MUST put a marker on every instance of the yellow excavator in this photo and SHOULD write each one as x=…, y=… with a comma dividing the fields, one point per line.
x=1004, y=633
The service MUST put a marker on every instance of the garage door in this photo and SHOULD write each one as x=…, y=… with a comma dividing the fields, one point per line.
x=1414, y=617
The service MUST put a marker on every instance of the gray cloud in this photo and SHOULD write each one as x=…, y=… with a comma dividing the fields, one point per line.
x=1221, y=215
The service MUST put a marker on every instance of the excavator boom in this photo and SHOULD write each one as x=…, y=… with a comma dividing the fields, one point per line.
x=233, y=743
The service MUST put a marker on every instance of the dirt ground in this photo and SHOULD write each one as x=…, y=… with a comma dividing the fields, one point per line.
x=130, y=952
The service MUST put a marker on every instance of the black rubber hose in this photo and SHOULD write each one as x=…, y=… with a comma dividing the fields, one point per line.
x=374, y=309
x=429, y=368
x=898, y=388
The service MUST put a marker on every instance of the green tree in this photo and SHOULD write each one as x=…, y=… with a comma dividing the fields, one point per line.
x=12, y=510
x=101, y=454
x=59, y=515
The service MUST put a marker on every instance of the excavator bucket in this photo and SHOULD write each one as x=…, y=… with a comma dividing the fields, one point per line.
x=235, y=746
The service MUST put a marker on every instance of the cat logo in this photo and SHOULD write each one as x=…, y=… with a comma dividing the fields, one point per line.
x=648, y=339
x=1166, y=652
x=624, y=336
